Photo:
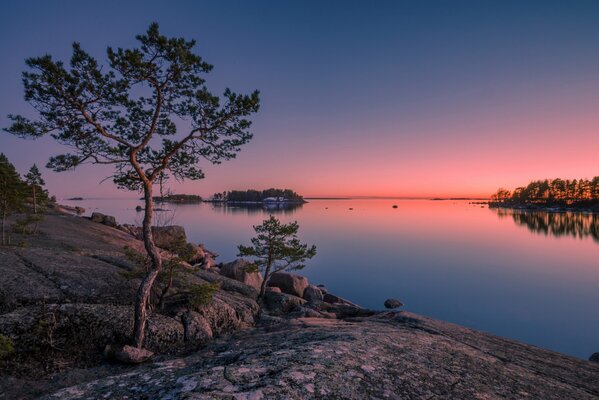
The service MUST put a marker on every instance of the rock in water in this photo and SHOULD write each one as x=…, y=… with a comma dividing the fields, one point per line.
x=289, y=283
x=240, y=270
x=594, y=357
x=393, y=303
x=312, y=294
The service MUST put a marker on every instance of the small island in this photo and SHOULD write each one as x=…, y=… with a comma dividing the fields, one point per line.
x=252, y=196
x=179, y=198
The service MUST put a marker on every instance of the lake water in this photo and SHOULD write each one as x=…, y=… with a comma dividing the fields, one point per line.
x=533, y=277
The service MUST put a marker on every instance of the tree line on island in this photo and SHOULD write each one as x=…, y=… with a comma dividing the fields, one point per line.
x=258, y=196
x=550, y=192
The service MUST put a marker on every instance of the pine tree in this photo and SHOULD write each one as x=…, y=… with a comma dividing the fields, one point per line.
x=276, y=248
x=12, y=193
x=34, y=179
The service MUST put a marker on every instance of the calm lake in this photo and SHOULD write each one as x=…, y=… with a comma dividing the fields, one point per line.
x=533, y=277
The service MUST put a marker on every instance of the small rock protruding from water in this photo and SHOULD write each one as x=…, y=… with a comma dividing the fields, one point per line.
x=393, y=303
x=594, y=357
x=394, y=205
x=139, y=208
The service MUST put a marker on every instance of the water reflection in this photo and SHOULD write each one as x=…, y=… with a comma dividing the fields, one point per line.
x=252, y=208
x=579, y=225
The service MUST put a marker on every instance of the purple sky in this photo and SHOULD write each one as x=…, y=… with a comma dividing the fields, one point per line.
x=416, y=98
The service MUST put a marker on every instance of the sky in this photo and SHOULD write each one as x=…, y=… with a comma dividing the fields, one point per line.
x=359, y=98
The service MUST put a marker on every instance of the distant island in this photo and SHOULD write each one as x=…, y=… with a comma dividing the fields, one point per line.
x=252, y=196
x=178, y=198
x=551, y=195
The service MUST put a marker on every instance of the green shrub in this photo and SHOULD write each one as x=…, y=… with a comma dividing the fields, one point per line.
x=203, y=294
x=6, y=346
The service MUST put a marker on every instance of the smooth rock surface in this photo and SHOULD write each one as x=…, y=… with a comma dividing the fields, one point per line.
x=238, y=270
x=289, y=283
x=312, y=294
x=392, y=356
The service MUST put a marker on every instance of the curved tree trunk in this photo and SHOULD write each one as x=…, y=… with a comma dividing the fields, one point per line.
x=145, y=288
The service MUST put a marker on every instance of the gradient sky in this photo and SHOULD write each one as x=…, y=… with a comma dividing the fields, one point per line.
x=397, y=98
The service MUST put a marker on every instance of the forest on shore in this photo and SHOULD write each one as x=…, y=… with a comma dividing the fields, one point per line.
x=551, y=192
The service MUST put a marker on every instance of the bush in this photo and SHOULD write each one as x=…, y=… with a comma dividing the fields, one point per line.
x=6, y=346
x=202, y=295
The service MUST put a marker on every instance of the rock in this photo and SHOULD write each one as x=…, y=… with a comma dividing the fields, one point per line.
x=107, y=220
x=132, y=355
x=393, y=303
x=289, y=283
x=167, y=237
x=281, y=303
x=331, y=298
x=272, y=289
x=240, y=270
x=323, y=289
x=197, y=328
x=342, y=310
x=318, y=358
x=594, y=357
x=312, y=294
x=305, y=312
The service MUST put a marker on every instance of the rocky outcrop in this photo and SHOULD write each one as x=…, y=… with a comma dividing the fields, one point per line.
x=241, y=270
x=65, y=296
x=312, y=294
x=392, y=355
x=289, y=283
x=167, y=237
x=100, y=218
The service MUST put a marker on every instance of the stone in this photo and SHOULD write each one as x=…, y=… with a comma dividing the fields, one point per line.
x=281, y=303
x=393, y=303
x=312, y=294
x=594, y=357
x=305, y=312
x=107, y=220
x=289, y=283
x=272, y=289
x=132, y=355
x=240, y=270
x=167, y=237
x=322, y=288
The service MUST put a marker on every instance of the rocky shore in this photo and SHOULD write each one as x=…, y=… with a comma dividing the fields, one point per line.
x=64, y=297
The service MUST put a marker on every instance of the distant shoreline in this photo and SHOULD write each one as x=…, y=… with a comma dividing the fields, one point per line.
x=552, y=208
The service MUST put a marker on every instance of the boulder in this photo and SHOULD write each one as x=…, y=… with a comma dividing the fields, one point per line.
x=100, y=218
x=312, y=294
x=240, y=270
x=342, y=310
x=594, y=357
x=167, y=237
x=281, y=303
x=289, y=283
x=272, y=289
x=132, y=355
x=323, y=289
x=393, y=303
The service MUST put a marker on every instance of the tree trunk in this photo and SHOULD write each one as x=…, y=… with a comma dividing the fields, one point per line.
x=266, y=277
x=145, y=288
x=3, y=222
x=34, y=201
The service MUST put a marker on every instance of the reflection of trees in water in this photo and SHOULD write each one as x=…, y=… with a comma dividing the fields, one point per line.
x=249, y=208
x=557, y=224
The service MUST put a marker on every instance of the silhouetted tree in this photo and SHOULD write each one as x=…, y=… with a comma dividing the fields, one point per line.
x=129, y=115
x=36, y=183
x=276, y=248
x=12, y=193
